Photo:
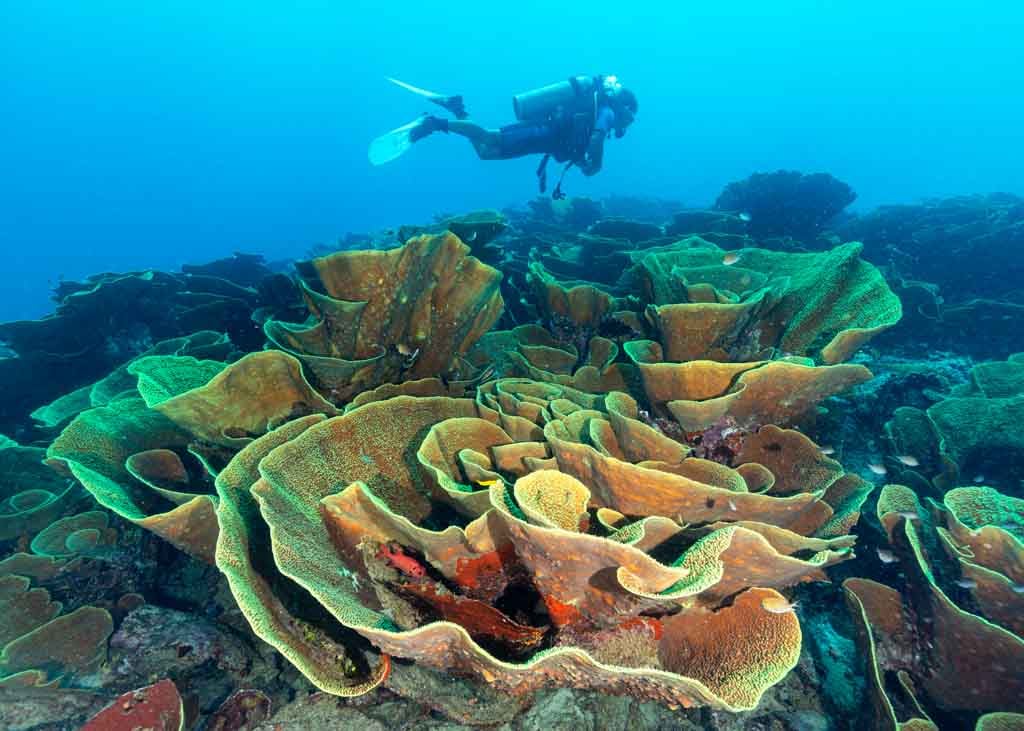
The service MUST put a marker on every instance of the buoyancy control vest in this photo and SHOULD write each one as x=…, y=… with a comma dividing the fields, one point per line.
x=571, y=105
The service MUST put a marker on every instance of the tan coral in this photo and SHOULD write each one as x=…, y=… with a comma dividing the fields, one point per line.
x=552, y=499
x=358, y=519
x=400, y=314
x=245, y=400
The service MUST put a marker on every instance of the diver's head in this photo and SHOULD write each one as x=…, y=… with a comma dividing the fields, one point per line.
x=626, y=107
x=622, y=101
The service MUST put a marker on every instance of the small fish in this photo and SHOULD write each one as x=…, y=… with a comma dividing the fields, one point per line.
x=908, y=460
x=745, y=217
x=730, y=259
x=828, y=450
x=886, y=556
x=732, y=506
x=778, y=605
x=403, y=349
x=406, y=564
x=978, y=479
x=909, y=514
x=877, y=469
x=487, y=483
x=471, y=237
x=966, y=583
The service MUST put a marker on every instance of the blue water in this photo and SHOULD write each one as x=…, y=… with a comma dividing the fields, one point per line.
x=152, y=134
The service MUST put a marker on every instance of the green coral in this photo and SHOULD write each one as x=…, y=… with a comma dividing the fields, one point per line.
x=974, y=431
x=32, y=495
x=35, y=636
x=122, y=382
x=822, y=304
x=162, y=377
x=970, y=658
x=977, y=507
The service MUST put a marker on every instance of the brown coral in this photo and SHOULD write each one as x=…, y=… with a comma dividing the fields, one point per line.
x=401, y=314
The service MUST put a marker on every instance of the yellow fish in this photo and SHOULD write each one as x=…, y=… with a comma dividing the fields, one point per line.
x=487, y=483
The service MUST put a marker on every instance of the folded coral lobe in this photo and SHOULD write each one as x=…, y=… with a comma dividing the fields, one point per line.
x=399, y=314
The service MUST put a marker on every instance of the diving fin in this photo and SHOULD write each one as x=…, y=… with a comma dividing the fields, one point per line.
x=394, y=144
x=453, y=104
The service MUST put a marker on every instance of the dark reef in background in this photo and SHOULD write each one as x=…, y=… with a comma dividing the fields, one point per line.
x=958, y=264
x=787, y=202
x=109, y=319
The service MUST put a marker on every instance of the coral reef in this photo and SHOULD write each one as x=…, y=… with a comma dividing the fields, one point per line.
x=92, y=331
x=787, y=202
x=32, y=496
x=966, y=230
x=354, y=505
x=533, y=469
x=952, y=261
x=971, y=435
x=379, y=317
x=947, y=648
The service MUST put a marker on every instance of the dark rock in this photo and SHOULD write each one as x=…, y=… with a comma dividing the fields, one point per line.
x=454, y=698
x=570, y=709
x=202, y=658
x=49, y=709
x=244, y=710
x=324, y=711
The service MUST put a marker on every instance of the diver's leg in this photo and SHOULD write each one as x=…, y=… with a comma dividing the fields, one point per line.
x=513, y=140
x=486, y=142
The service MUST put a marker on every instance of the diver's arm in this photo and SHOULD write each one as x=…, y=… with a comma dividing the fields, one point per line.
x=594, y=155
x=591, y=163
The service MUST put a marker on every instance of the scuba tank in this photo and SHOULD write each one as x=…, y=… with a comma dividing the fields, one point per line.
x=576, y=95
x=574, y=100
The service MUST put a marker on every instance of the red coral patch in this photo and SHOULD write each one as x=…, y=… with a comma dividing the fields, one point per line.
x=156, y=707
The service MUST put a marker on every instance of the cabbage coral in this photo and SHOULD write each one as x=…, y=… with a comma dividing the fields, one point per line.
x=952, y=636
x=973, y=431
x=618, y=512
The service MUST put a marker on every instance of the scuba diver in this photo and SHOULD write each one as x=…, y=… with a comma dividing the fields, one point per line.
x=569, y=121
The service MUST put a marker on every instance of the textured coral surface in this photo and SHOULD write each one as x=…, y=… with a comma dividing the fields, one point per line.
x=515, y=467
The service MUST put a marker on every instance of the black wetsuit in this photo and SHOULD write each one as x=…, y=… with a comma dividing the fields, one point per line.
x=564, y=139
